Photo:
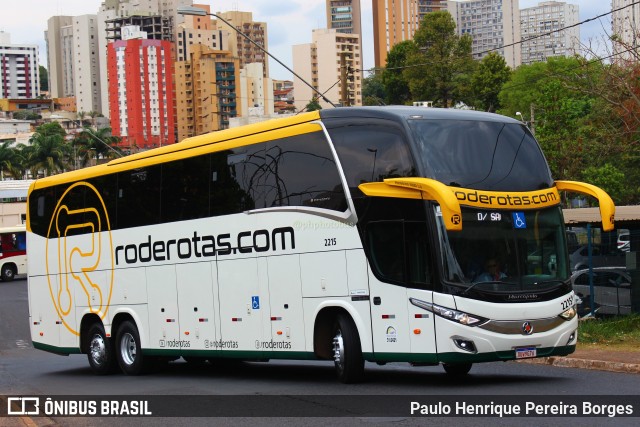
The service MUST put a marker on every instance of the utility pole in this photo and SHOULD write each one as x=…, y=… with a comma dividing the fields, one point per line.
x=533, y=120
x=344, y=89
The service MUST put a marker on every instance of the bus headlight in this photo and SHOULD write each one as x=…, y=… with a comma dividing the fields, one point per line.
x=449, y=313
x=569, y=313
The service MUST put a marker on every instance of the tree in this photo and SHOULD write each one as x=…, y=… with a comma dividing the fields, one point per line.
x=373, y=89
x=10, y=161
x=44, y=79
x=99, y=144
x=48, y=152
x=441, y=63
x=612, y=180
x=487, y=81
x=396, y=86
x=313, y=105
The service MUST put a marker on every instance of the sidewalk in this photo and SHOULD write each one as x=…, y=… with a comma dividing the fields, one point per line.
x=614, y=360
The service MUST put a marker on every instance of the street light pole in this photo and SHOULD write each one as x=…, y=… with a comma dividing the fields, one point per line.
x=194, y=11
x=104, y=143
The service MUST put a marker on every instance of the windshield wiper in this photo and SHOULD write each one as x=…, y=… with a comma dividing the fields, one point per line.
x=482, y=283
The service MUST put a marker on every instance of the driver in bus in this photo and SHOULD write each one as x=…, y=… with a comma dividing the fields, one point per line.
x=492, y=271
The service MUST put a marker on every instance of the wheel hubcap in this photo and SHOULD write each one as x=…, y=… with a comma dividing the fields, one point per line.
x=128, y=349
x=338, y=350
x=97, y=350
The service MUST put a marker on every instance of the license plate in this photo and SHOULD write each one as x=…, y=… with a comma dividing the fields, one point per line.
x=525, y=353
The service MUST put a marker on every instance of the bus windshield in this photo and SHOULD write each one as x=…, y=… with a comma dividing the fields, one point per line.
x=506, y=250
x=494, y=156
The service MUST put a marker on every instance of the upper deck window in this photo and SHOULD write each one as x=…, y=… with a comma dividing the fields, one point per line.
x=483, y=155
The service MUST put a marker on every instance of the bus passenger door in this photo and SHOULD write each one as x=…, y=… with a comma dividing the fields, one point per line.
x=243, y=302
x=164, y=329
x=196, y=305
x=285, y=301
x=399, y=261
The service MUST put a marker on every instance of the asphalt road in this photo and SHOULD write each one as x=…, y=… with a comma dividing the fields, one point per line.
x=306, y=389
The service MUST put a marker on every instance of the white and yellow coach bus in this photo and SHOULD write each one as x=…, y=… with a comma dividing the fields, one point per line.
x=347, y=235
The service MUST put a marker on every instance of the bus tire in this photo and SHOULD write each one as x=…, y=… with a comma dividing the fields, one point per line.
x=8, y=273
x=100, y=351
x=457, y=369
x=129, y=350
x=347, y=351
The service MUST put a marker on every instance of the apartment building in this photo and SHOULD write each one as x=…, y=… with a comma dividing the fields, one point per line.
x=206, y=91
x=242, y=48
x=73, y=60
x=19, y=72
x=141, y=90
x=321, y=62
x=625, y=23
x=494, y=26
x=544, y=32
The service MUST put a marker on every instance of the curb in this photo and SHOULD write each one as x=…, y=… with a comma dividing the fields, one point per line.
x=599, y=365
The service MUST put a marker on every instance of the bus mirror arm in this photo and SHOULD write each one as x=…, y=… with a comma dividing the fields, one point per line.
x=607, y=207
x=420, y=188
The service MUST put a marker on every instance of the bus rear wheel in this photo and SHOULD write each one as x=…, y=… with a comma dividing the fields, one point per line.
x=7, y=274
x=100, y=351
x=129, y=350
x=347, y=352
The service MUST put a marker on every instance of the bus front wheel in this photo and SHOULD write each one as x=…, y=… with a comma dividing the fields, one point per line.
x=128, y=349
x=100, y=351
x=347, y=352
x=457, y=369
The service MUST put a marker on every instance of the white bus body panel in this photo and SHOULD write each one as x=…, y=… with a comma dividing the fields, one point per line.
x=164, y=328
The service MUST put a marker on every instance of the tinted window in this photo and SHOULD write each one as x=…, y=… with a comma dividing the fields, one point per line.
x=482, y=155
x=301, y=171
x=185, y=189
x=41, y=206
x=139, y=197
x=371, y=153
x=398, y=252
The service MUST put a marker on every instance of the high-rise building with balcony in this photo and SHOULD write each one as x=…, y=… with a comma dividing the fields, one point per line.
x=242, y=48
x=545, y=33
x=321, y=63
x=19, y=72
x=206, y=88
x=73, y=60
x=625, y=22
x=494, y=26
x=141, y=90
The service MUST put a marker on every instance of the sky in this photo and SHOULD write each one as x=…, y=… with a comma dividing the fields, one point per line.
x=289, y=22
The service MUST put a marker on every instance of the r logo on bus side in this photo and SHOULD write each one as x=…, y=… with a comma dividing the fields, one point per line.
x=455, y=219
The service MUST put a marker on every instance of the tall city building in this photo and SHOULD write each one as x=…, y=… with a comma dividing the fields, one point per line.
x=59, y=40
x=19, y=72
x=625, y=22
x=206, y=87
x=394, y=21
x=246, y=51
x=256, y=91
x=113, y=9
x=321, y=63
x=344, y=16
x=543, y=33
x=141, y=90
x=200, y=30
x=73, y=60
x=494, y=26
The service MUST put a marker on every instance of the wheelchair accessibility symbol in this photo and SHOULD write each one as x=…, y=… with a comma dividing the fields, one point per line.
x=255, y=302
x=519, y=220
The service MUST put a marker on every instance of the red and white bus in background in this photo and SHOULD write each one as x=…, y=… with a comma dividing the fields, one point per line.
x=13, y=252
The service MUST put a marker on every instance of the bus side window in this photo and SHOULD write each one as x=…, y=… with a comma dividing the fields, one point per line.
x=139, y=197
x=185, y=189
x=371, y=153
x=301, y=171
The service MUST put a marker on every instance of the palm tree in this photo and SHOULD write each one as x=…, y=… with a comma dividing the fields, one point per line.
x=47, y=153
x=10, y=161
x=100, y=142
